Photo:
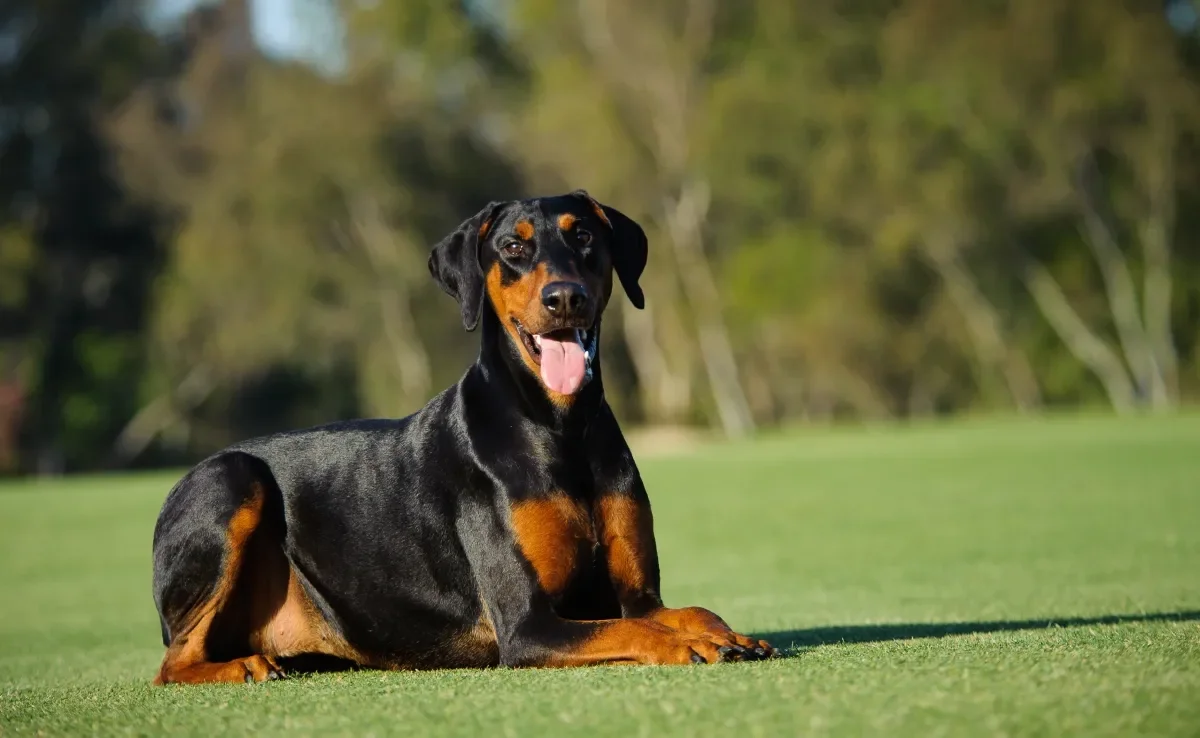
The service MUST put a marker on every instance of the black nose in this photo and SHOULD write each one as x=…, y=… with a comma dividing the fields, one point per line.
x=565, y=299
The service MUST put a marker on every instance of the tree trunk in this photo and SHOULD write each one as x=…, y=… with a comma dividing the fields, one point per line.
x=1156, y=233
x=685, y=218
x=984, y=327
x=161, y=413
x=666, y=393
x=393, y=292
x=1088, y=348
x=1120, y=291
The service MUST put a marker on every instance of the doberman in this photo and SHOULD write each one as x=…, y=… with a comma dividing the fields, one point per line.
x=505, y=523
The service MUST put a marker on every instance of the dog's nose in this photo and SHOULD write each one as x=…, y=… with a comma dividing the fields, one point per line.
x=564, y=299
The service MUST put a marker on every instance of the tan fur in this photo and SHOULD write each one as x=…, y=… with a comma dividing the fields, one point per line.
x=553, y=534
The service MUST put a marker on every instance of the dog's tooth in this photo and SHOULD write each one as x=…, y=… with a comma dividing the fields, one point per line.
x=537, y=340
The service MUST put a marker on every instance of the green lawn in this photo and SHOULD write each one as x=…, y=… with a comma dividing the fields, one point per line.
x=982, y=578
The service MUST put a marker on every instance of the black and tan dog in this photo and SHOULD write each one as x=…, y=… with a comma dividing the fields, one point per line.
x=504, y=523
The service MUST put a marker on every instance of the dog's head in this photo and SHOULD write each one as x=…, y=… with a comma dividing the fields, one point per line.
x=544, y=266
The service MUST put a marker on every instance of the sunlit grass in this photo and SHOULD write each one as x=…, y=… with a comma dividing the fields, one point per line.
x=986, y=578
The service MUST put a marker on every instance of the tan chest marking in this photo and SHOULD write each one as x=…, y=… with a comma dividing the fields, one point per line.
x=554, y=534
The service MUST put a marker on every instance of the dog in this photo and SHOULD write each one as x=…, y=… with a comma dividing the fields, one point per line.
x=503, y=524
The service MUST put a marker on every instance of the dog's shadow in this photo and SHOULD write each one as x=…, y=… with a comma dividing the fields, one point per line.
x=796, y=642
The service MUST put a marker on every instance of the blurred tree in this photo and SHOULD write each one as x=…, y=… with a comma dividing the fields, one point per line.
x=618, y=96
x=826, y=273
x=1074, y=112
x=909, y=138
x=857, y=208
x=306, y=206
x=78, y=255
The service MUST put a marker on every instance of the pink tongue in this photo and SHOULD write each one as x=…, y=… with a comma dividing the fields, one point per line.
x=563, y=365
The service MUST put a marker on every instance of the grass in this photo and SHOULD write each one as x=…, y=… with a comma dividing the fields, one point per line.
x=982, y=578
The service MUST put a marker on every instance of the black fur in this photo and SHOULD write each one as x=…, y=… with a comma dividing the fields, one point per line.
x=630, y=248
x=454, y=264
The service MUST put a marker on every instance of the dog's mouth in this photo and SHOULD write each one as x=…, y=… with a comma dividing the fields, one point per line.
x=564, y=356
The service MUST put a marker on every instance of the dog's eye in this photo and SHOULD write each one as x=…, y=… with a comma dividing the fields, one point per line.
x=513, y=248
x=584, y=237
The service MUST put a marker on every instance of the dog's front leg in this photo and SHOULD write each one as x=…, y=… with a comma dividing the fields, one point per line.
x=626, y=528
x=512, y=577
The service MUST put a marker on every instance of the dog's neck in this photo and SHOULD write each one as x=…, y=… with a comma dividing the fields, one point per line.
x=500, y=361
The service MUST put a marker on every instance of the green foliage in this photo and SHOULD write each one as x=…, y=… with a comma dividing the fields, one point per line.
x=17, y=258
x=856, y=208
x=778, y=275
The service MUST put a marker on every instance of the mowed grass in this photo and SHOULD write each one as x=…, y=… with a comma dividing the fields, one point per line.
x=983, y=578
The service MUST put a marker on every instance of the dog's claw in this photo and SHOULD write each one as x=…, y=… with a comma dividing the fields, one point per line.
x=697, y=658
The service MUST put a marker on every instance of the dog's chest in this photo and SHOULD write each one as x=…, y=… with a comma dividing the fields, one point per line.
x=558, y=535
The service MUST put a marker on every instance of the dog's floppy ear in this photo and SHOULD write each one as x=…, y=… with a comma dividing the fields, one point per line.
x=454, y=263
x=630, y=248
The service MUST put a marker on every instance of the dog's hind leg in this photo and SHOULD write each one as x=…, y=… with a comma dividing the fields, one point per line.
x=218, y=569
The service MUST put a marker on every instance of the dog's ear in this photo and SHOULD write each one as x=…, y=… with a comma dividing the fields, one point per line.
x=454, y=263
x=630, y=247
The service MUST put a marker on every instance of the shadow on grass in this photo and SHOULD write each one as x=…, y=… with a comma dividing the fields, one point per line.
x=794, y=641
